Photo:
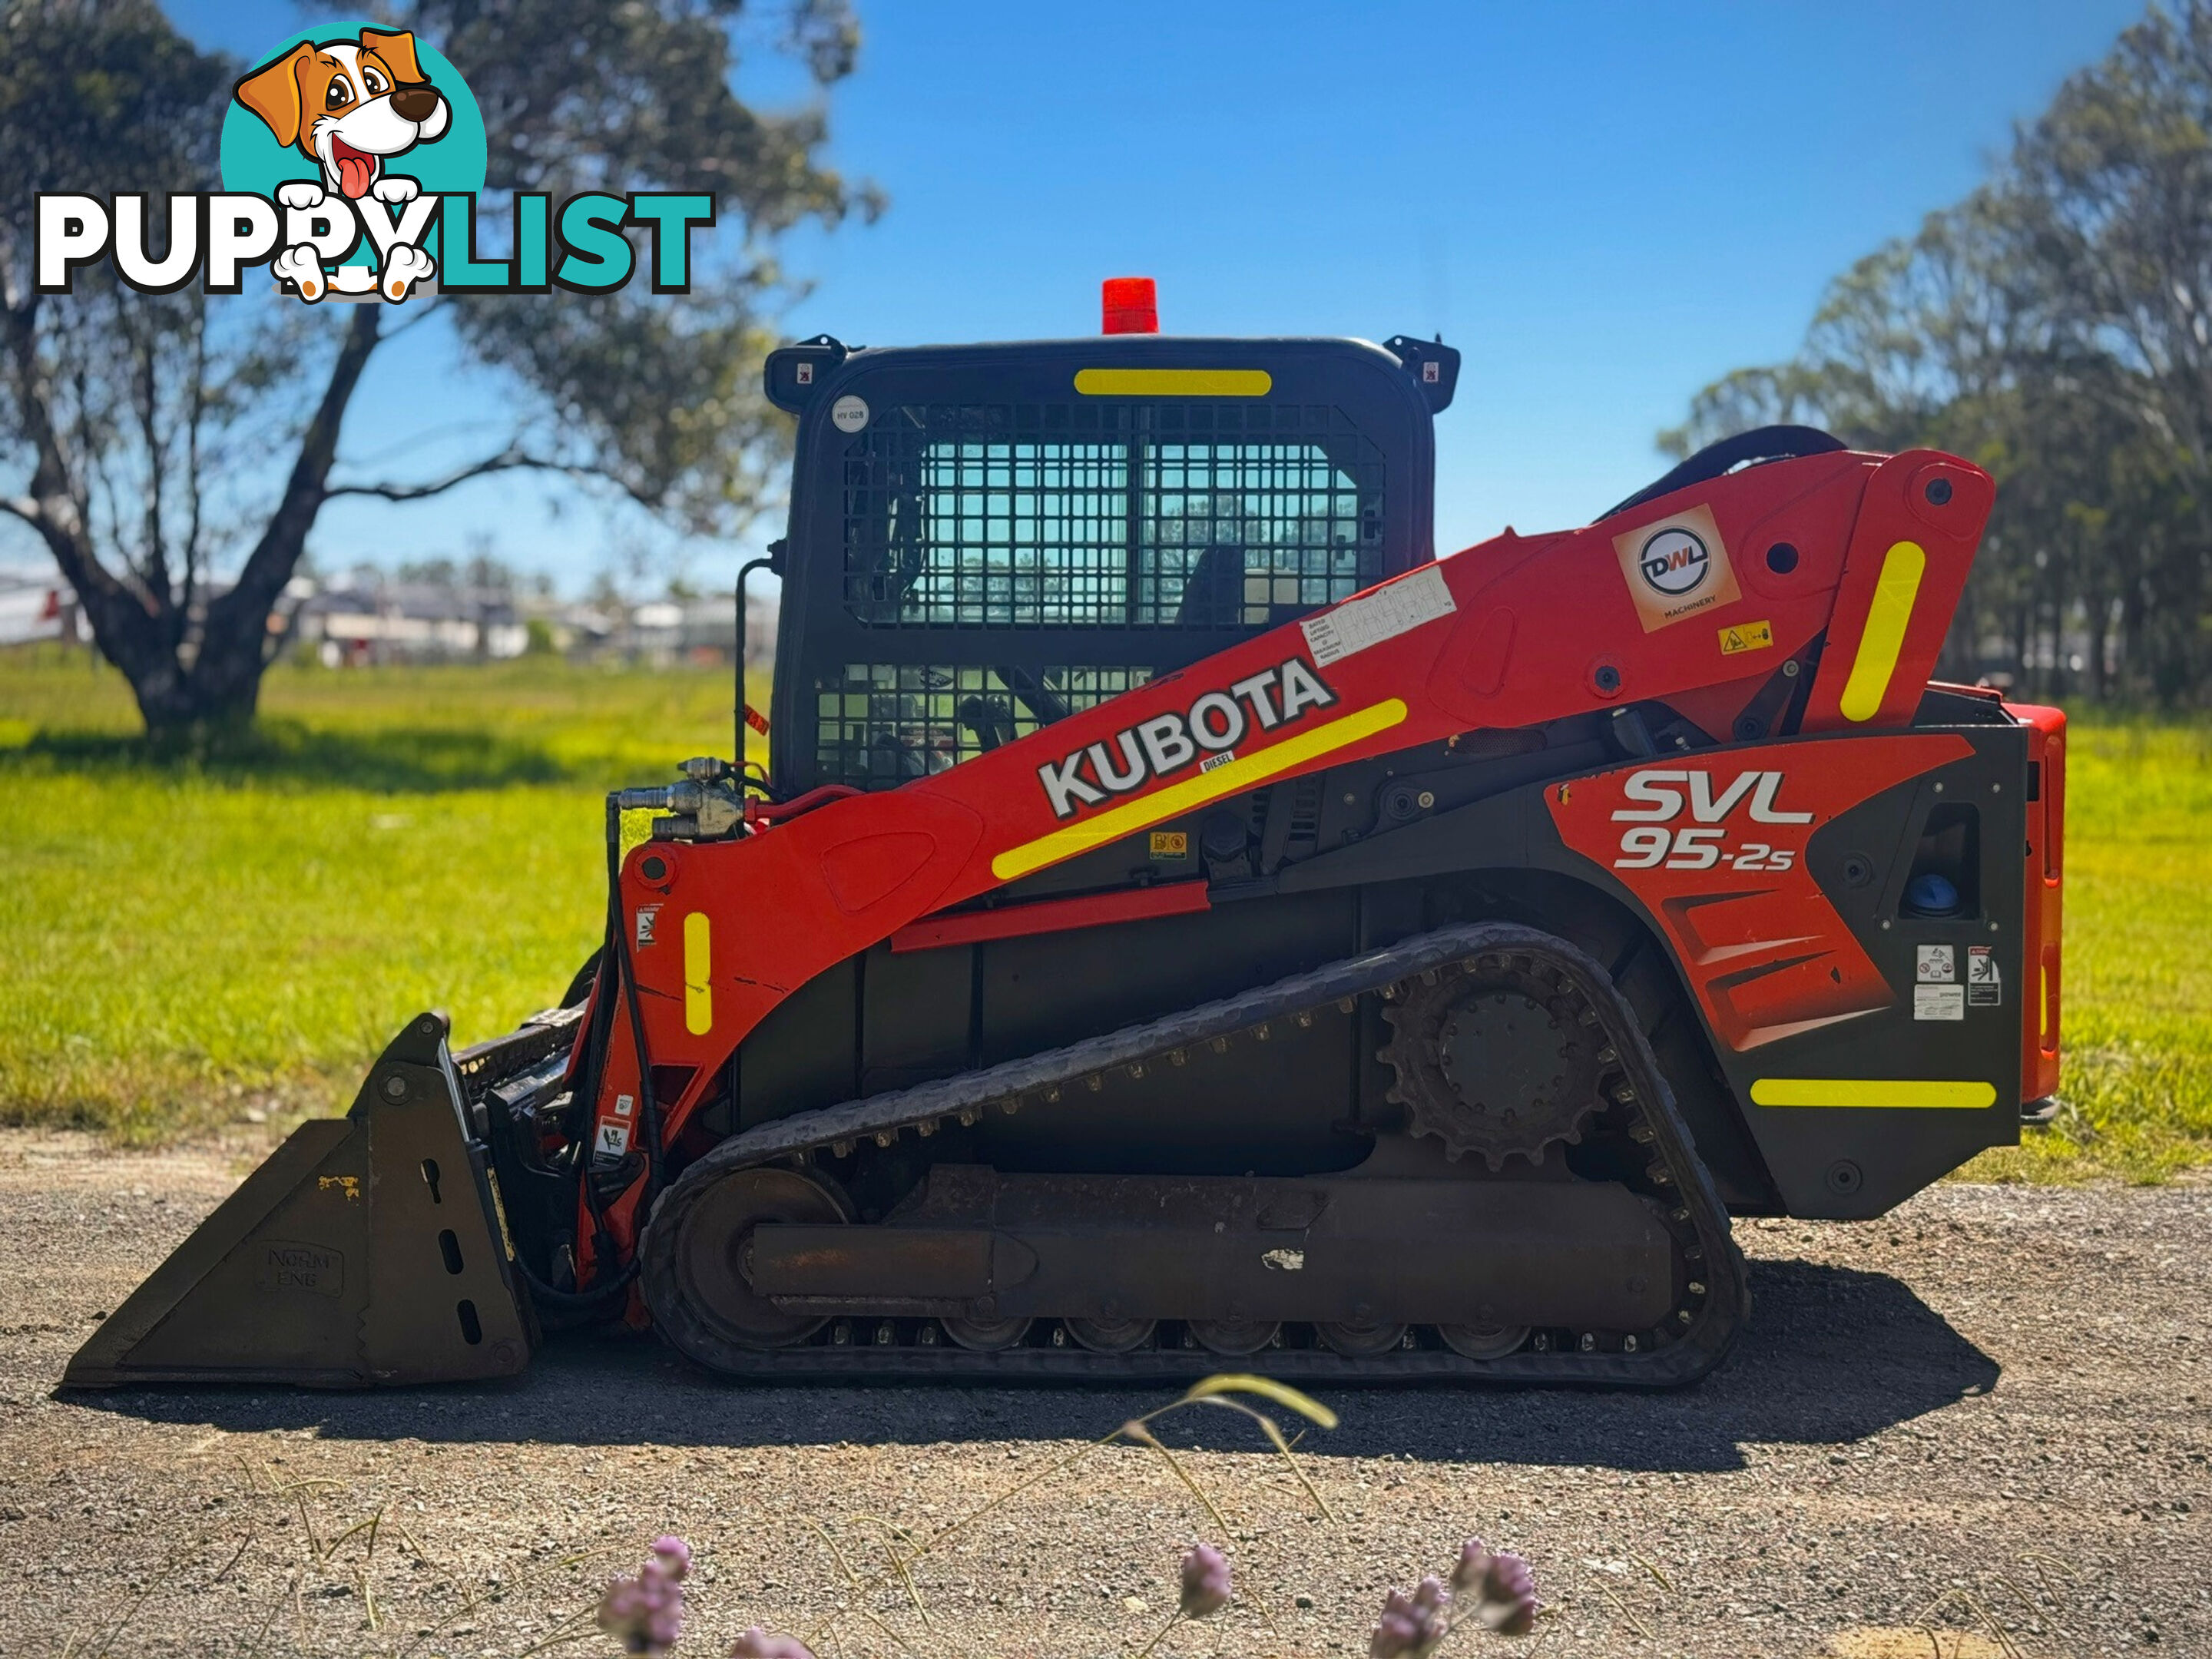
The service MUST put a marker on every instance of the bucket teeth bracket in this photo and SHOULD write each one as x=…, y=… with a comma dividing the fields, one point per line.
x=369, y=1250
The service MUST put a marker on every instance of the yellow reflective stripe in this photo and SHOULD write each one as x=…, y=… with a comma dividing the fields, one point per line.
x=1872, y=1091
x=698, y=974
x=1883, y=637
x=1224, y=779
x=1173, y=382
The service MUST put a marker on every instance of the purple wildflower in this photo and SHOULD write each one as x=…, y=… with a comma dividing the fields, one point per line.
x=645, y=1613
x=758, y=1643
x=1504, y=1592
x=1206, y=1586
x=1411, y=1625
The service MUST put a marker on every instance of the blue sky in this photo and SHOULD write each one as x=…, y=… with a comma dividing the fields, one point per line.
x=1604, y=206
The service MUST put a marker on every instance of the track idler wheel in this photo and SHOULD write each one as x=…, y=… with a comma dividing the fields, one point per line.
x=697, y=1273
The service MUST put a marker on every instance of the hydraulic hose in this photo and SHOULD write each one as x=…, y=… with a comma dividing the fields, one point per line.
x=648, y=1108
x=776, y=812
x=616, y=969
x=576, y=1301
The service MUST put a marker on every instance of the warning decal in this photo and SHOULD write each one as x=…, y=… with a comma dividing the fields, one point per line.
x=1746, y=636
x=1985, y=989
x=1170, y=843
x=1938, y=964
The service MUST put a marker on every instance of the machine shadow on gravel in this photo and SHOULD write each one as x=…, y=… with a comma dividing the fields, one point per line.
x=1837, y=1355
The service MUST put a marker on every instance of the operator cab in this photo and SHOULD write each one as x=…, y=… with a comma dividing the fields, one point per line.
x=985, y=538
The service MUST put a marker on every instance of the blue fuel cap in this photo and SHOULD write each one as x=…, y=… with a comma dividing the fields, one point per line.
x=1931, y=895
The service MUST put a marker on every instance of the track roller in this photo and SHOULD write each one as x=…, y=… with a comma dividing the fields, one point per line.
x=1361, y=1341
x=1110, y=1335
x=987, y=1336
x=1235, y=1337
x=1483, y=1341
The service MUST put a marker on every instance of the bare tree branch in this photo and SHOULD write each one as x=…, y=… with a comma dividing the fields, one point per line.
x=508, y=460
x=431, y=307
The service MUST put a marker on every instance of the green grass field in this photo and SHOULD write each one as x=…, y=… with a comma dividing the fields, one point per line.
x=190, y=945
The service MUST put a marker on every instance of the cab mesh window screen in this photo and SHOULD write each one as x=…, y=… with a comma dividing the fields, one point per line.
x=878, y=725
x=1054, y=515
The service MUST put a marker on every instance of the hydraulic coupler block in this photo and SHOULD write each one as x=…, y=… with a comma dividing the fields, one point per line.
x=700, y=811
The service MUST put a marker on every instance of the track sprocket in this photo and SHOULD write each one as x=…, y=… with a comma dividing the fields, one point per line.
x=1499, y=1057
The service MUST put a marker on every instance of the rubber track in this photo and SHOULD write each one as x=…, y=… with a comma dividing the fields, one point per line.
x=1036, y=1083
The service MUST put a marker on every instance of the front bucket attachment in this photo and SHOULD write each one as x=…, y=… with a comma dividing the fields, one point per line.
x=369, y=1250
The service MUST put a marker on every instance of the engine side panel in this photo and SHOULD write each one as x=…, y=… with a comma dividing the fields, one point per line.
x=1873, y=1045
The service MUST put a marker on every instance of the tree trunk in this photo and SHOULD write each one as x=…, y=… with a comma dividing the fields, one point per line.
x=221, y=689
x=185, y=686
x=2131, y=639
x=2100, y=620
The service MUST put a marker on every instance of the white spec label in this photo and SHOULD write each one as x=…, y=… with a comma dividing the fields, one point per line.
x=1396, y=608
x=1939, y=1002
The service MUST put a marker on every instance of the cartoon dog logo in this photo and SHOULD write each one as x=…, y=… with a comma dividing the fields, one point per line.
x=348, y=106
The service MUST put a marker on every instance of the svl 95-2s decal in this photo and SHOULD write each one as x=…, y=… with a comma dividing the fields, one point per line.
x=1715, y=854
x=1662, y=793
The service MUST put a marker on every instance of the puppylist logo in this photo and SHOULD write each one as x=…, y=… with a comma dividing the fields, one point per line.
x=352, y=161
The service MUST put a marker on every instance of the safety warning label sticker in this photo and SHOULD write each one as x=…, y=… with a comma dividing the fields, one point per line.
x=1985, y=987
x=1938, y=964
x=1402, y=606
x=1746, y=636
x=1939, y=1002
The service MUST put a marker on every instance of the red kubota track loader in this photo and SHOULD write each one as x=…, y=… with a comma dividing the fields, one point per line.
x=1184, y=918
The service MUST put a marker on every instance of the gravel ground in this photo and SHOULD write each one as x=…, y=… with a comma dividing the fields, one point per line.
x=1987, y=1413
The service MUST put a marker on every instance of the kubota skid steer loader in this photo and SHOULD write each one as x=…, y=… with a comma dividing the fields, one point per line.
x=1185, y=918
